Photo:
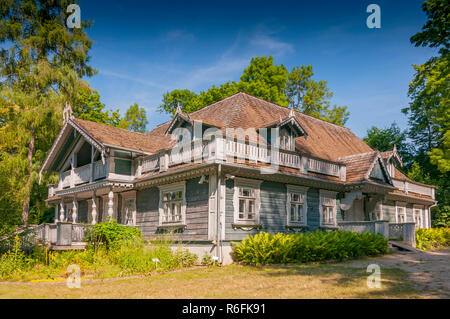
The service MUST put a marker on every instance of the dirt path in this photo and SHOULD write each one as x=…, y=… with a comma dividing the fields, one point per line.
x=429, y=271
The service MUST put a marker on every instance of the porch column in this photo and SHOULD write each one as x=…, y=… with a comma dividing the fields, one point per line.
x=94, y=210
x=425, y=216
x=110, y=203
x=56, y=213
x=61, y=211
x=74, y=210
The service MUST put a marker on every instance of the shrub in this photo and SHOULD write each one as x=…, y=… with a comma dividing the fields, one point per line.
x=433, y=238
x=14, y=261
x=264, y=248
x=112, y=233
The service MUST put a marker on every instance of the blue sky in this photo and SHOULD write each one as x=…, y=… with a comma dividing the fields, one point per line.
x=145, y=48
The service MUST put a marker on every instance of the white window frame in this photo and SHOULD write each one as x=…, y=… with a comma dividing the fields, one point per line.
x=328, y=198
x=175, y=187
x=420, y=210
x=397, y=215
x=252, y=184
x=127, y=196
x=303, y=200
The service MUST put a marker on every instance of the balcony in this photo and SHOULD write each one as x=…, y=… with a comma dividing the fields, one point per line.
x=414, y=188
x=231, y=150
x=78, y=176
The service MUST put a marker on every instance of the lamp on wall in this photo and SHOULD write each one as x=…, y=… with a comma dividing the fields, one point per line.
x=203, y=179
x=228, y=176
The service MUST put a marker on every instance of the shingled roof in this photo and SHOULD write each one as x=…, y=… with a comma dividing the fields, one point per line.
x=106, y=134
x=324, y=140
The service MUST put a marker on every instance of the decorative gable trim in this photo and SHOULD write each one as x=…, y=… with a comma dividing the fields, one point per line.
x=383, y=167
x=180, y=117
x=59, y=142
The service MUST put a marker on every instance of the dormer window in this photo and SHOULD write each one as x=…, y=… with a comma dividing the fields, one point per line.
x=286, y=140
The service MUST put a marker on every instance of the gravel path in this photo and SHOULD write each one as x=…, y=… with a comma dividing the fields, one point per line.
x=429, y=271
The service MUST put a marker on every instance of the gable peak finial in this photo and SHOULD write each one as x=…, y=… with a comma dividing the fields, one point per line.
x=291, y=113
x=178, y=111
x=395, y=148
x=67, y=113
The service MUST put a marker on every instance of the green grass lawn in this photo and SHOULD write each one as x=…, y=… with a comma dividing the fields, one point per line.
x=234, y=281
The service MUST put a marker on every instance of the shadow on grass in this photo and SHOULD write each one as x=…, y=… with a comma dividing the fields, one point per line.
x=395, y=283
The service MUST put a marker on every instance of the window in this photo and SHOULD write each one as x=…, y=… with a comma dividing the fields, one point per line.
x=296, y=205
x=246, y=201
x=418, y=216
x=400, y=215
x=172, y=206
x=327, y=208
x=286, y=140
x=128, y=210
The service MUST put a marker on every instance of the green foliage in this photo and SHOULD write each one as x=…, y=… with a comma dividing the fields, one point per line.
x=384, y=139
x=111, y=234
x=207, y=260
x=273, y=83
x=312, y=97
x=433, y=238
x=440, y=216
x=264, y=248
x=136, y=118
x=128, y=256
x=435, y=32
x=265, y=80
x=14, y=261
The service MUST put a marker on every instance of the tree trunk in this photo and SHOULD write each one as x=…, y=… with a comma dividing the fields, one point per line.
x=26, y=204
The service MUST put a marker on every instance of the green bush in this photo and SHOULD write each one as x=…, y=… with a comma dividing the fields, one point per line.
x=433, y=238
x=111, y=233
x=14, y=261
x=264, y=248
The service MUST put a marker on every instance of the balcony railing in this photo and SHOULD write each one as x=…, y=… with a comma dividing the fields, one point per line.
x=232, y=150
x=81, y=175
x=414, y=188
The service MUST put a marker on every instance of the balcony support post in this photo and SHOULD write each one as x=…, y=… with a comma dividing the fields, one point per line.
x=110, y=203
x=61, y=210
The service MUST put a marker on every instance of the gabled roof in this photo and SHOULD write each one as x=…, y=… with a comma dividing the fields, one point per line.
x=325, y=140
x=360, y=166
x=392, y=154
x=102, y=136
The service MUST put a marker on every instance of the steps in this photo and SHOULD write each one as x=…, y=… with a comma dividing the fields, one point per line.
x=397, y=246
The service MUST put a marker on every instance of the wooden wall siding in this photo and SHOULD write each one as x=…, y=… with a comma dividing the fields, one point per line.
x=147, y=217
x=389, y=211
x=409, y=213
x=313, y=217
x=339, y=212
x=272, y=210
x=197, y=197
x=273, y=207
x=82, y=211
x=147, y=212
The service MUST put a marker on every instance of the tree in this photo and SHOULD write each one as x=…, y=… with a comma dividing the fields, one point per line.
x=312, y=97
x=273, y=83
x=185, y=98
x=41, y=65
x=384, y=139
x=265, y=80
x=136, y=118
x=435, y=33
x=89, y=107
x=429, y=112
